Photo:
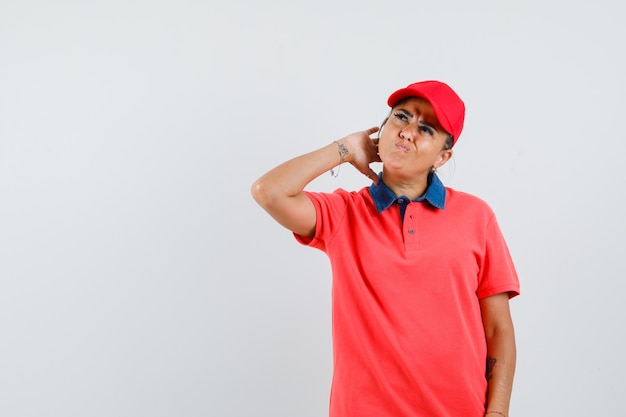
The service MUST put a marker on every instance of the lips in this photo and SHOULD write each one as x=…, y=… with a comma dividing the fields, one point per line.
x=402, y=147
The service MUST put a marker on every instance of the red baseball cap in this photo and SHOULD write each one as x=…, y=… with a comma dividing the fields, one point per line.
x=448, y=106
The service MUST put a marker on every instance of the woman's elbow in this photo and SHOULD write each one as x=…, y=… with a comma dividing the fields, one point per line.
x=261, y=193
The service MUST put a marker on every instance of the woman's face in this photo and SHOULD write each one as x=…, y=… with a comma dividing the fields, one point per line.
x=411, y=141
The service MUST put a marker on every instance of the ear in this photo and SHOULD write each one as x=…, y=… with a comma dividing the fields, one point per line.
x=444, y=156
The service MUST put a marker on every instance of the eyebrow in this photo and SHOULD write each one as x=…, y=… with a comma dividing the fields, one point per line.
x=428, y=125
x=421, y=121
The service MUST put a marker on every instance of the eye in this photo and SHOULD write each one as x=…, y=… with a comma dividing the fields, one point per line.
x=427, y=130
x=401, y=116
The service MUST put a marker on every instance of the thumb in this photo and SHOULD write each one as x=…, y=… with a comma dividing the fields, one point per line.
x=373, y=176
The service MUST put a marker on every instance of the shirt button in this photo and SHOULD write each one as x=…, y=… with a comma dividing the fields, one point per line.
x=411, y=231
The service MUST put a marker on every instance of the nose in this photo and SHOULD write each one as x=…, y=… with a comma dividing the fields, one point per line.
x=408, y=133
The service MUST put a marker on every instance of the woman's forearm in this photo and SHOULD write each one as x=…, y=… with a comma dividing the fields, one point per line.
x=290, y=178
x=501, y=357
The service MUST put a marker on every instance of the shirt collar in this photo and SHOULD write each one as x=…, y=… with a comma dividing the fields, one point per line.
x=383, y=196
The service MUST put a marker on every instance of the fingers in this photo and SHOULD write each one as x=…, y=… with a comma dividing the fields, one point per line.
x=371, y=130
x=372, y=176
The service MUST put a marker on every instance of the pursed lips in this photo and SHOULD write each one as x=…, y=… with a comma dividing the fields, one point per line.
x=403, y=147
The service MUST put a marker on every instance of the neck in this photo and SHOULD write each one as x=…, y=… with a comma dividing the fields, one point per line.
x=412, y=188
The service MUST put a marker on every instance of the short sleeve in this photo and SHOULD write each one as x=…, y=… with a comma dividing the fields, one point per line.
x=330, y=209
x=497, y=272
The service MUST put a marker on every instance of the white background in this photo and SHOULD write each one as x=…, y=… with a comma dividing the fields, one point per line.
x=137, y=276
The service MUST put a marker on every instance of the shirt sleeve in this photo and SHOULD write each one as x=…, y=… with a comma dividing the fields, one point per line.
x=330, y=209
x=497, y=272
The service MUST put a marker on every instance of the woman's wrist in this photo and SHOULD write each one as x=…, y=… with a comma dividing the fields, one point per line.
x=343, y=151
x=495, y=412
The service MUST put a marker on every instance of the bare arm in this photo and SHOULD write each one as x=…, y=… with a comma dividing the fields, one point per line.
x=501, y=352
x=279, y=191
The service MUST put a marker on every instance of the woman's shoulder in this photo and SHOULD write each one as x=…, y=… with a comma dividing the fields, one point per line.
x=340, y=195
x=466, y=200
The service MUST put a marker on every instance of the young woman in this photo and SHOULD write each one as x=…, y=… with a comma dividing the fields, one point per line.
x=422, y=275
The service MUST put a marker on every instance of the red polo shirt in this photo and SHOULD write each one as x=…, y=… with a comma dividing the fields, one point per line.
x=408, y=339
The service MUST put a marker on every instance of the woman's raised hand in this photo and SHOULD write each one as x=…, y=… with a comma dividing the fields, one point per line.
x=362, y=151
